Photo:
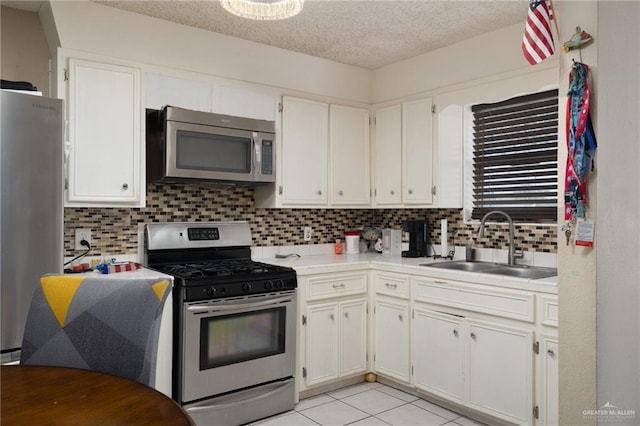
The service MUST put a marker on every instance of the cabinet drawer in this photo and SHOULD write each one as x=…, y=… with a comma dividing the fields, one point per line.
x=336, y=286
x=396, y=285
x=502, y=303
x=548, y=306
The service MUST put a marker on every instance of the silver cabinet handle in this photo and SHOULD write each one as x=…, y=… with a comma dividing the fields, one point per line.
x=400, y=317
x=125, y=186
x=340, y=193
x=346, y=314
x=551, y=353
x=332, y=316
x=389, y=285
x=455, y=332
x=319, y=192
x=392, y=192
x=337, y=286
x=473, y=336
x=410, y=191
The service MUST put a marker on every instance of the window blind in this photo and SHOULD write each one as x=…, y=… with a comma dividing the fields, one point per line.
x=515, y=157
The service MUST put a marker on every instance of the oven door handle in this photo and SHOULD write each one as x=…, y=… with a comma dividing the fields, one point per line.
x=228, y=306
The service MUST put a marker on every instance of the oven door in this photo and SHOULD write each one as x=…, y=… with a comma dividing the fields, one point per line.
x=230, y=344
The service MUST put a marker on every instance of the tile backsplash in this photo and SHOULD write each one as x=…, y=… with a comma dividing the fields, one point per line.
x=115, y=230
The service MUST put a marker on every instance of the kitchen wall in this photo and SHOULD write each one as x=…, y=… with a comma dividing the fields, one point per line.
x=21, y=33
x=114, y=231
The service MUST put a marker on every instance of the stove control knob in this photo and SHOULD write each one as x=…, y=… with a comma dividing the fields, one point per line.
x=268, y=285
x=210, y=291
x=246, y=287
x=279, y=284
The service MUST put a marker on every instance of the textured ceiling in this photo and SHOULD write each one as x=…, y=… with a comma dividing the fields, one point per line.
x=364, y=33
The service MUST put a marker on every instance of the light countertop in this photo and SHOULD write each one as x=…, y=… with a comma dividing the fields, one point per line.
x=327, y=263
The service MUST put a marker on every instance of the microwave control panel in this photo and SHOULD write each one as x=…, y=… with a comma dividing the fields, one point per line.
x=267, y=157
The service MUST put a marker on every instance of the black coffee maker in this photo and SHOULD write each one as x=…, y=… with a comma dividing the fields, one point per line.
x=418, y=238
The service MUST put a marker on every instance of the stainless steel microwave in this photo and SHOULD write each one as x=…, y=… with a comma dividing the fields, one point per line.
x=186, y=145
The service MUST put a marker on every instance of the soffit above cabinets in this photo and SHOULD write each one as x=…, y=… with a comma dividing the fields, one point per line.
x=365, y=33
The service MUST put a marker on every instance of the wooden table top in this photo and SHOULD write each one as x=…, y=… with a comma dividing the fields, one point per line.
x=37, y=395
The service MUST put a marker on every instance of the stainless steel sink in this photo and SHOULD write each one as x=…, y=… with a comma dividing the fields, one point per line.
x=519, y=271
x=462, y=266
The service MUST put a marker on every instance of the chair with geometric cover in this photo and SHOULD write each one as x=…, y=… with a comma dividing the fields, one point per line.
x=95, y=323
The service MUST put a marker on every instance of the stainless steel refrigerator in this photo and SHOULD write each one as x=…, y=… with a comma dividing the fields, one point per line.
x=31, y=214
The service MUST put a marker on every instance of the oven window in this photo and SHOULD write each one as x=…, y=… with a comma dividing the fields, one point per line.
x=230, y=339
x=202, y=151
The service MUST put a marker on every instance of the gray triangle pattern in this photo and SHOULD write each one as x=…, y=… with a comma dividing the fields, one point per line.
x=112, y=326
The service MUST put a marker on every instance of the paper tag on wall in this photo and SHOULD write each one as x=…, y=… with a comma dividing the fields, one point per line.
x=584, y=232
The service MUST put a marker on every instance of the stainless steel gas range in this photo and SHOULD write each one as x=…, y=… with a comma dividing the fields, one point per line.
x=234, y=322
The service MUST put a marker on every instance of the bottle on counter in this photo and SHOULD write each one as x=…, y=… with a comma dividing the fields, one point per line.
x=337, y=247
x=470, y=251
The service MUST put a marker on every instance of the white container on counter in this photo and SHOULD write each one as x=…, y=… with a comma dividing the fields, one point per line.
x=352, y=242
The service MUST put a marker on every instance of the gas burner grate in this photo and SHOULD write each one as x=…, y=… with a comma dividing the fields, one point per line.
x=219, y=268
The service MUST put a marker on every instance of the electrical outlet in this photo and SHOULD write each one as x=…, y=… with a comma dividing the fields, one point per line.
x=307, y=233
x=82, y=234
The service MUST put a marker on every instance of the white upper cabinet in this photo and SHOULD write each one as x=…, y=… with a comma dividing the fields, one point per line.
x=162, y=90
x=322, y=158
x=388, y=156
x=404, y=155
x=417, y=152
x=305, y=127
x=199, y=95
x=243, y=102
x=104, y=141
x=449, y=128
x=349, y=147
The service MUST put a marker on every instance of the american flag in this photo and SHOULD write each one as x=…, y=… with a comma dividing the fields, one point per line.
x=537, y=41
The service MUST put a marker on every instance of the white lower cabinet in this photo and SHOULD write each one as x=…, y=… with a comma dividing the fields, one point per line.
x=335, y=340
x=437, y=353
x=391, y=354
x=491, y=349
x=500, y=371
x=547, y=391
x=484, y=365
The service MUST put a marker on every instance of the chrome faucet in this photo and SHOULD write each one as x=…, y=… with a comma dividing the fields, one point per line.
x=511, y=259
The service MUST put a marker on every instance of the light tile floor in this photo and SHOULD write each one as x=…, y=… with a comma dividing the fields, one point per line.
x=367, y=404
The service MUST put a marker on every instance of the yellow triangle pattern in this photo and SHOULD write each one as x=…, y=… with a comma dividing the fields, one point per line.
x=59, y=292
x=159, y=288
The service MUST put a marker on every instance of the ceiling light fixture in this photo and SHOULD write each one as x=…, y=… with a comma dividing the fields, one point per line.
x=267, y=10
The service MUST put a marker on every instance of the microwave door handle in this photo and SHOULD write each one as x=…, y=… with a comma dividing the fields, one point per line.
x=257, y=155
x=254, y=153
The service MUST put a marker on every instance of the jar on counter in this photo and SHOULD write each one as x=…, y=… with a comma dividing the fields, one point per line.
x=352, y=239
x=337, y=247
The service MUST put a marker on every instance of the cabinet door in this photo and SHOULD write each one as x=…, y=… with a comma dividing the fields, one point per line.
x=353, y=336
x=388, y=164
x=105, y=110
x=162, y=90
x=417, y=152
x=437, y=353
x=450, y=156
x=322, y=343
x=548, y=381
x=391, y=356
x=349, y=137
x=305, y=128
x=500, y=371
